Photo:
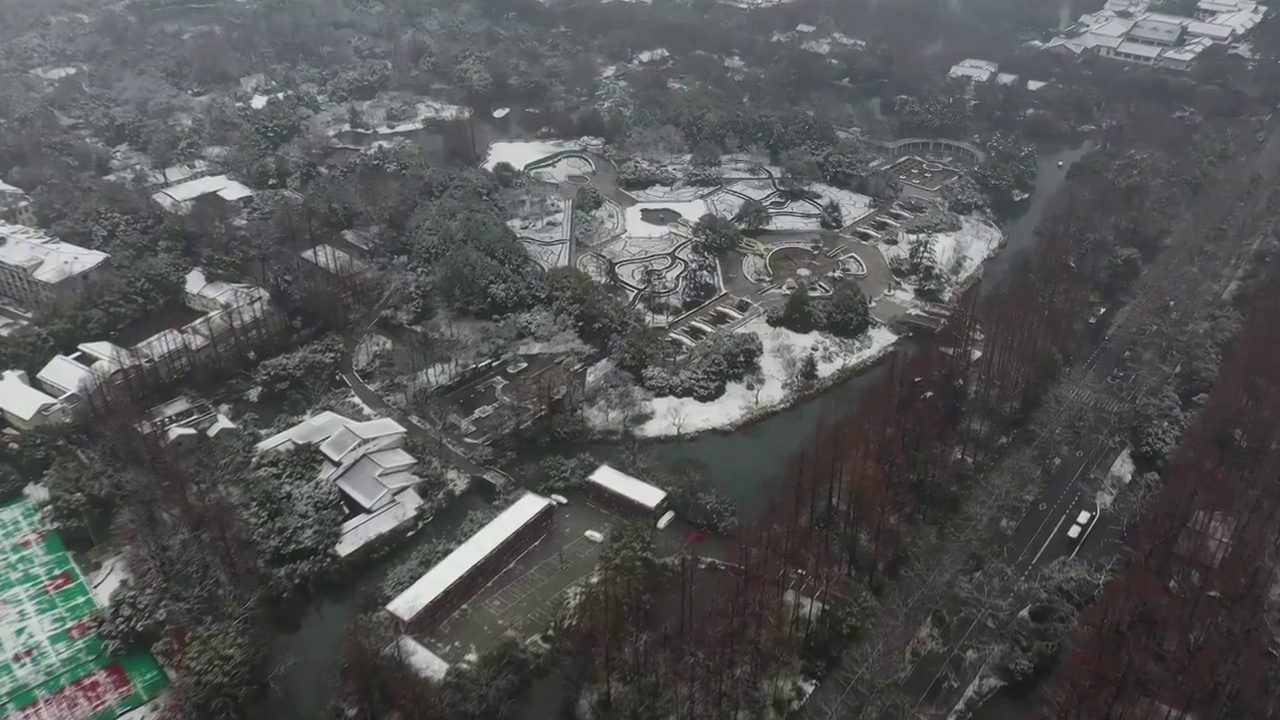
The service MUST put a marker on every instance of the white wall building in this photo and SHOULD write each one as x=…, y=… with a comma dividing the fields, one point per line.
x=25, y=407
x=38, y=271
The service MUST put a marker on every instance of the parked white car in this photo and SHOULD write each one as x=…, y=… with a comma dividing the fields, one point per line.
x=593, y=536
x=1077, y=528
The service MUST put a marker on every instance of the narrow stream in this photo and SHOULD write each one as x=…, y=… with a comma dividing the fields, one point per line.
x=747, y=464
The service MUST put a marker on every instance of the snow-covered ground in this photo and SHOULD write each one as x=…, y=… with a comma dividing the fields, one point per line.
x=562, y=169
x=958, y=254
x=107, y=578
x=637, y=227
x=783, y=351
x=521, y=153
x=425, y=112
x=853, y=205
x=662, y=193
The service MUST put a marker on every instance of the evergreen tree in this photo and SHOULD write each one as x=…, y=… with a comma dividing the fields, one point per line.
x=832, y=216
x=809, y=368
x=751, y=215
x=848, y=314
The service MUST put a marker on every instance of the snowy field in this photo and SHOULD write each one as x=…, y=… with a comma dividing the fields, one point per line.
x=521, y=153
x=783, y=351
x=959, y=254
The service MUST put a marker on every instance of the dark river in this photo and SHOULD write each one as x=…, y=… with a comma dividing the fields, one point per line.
x=747, y=464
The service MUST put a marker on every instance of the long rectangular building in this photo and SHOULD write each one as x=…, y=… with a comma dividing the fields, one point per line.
x=612, y=484
x=476, y=562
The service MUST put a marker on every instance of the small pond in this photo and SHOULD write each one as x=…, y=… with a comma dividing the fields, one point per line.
x=659, y=216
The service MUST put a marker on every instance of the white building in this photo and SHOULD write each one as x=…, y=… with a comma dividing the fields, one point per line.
x=15, y=205
x=38, y=271
x=474, y=563
x=610, y=483
x=181, y=198
x=230, y=309
x=25, y=407
x=367, y=462
x=1129, y=30
x=973, y=70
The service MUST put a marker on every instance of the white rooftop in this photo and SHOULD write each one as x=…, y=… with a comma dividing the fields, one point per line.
x=1006, y=79
x=1139, y=49
x=178, y=198
x=1156, y=30
x=318, y=429
x=367, y=527
x=44, y=258
x=334, y=260
x=63, y=374
x=974, y=69
x=425, y=662
x=408, y=604
x=633, y=489
x=208, y=294
x=19, y=399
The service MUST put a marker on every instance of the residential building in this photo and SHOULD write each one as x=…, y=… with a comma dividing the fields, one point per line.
x=181, y=198
x=973, y=70
x=367, y=462
x=71, y=378
x=184, y=421
x=38, y=271
x=475, y=563
x=25, y=407
x=15, y=206
x=232, y=310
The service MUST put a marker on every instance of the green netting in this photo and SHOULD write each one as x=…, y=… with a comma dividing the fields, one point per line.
x=52, y=665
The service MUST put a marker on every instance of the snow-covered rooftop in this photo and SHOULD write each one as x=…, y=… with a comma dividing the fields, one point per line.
x=1158, y=31
x=428, y=588
x=1129, y=47
x=64, y=375
x=334, y=260
x=178, y=198
x=653, y=55
x=634, y=489
x=209, y=295
x=974, y=69
x=19, y=399
x=367, y=527
x=44, y=258
x=321, y=427
x=427, y=663
x=7, y=189
x=1006, y=79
